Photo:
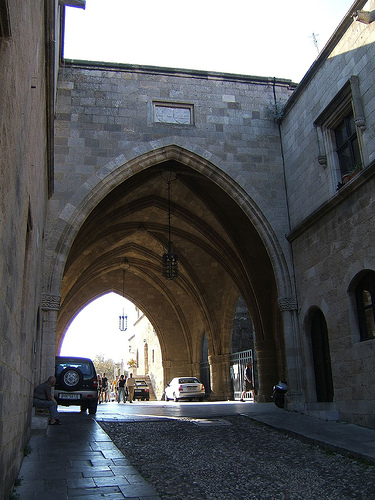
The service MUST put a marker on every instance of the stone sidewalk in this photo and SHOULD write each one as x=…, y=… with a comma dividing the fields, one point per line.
x=78, y=460
x=347, y=439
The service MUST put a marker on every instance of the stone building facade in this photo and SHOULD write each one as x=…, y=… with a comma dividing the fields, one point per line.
x=244, y=176
x=144, y=347
x=26, y=181
x=28, y=72
x=332, y=232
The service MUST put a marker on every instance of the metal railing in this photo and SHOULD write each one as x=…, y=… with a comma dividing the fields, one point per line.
x=238, y=362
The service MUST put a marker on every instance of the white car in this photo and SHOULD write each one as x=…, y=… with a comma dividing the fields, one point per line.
x=184, y=388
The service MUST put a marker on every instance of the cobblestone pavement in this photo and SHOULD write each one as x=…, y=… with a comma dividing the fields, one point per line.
x=236, y=458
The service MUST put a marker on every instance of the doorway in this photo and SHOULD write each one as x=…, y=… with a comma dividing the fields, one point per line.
x=322, y=358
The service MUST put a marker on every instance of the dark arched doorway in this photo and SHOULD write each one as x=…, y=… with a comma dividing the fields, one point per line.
x=322, y=358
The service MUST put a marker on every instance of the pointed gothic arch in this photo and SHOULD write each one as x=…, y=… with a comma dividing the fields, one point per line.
x=225, y=249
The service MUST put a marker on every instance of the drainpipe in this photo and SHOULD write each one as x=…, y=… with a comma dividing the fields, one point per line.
x=288, y=306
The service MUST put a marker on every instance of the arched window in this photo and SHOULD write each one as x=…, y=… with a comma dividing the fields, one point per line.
x=365, y=299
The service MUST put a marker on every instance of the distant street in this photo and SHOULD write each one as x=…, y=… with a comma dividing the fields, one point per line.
x=146, y=409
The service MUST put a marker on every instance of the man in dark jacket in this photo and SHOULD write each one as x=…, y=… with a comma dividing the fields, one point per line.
x=42, y=398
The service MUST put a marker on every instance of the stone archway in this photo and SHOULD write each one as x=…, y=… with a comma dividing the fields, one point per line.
x=226, y=248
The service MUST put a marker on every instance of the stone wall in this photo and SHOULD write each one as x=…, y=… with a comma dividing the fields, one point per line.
x=23, y=199
x=106, y=116
x=328, y=257
x=309, y=183
x=333, y=230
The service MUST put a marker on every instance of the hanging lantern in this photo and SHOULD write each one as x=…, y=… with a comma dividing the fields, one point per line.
x=123, y=319
x=170, y=264
x=170, y=258
x=123, y=322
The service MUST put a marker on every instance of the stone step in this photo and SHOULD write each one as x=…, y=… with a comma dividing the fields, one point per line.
x=39, y=419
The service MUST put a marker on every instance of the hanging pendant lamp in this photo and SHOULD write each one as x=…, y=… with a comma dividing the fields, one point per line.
x=123, y=319
x=170, y=257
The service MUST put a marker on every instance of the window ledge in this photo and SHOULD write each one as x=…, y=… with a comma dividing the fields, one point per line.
x=344, y=192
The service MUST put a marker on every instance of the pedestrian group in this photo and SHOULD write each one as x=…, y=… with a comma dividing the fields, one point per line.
x=122, y=388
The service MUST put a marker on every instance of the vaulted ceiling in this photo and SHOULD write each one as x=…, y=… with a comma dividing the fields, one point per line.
x=221, y=256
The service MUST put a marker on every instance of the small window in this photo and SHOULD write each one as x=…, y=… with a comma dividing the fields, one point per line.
x=189, y=380
x=140, y=383
x=339, y=134
x=347, y=146
x=365, y=299
x=85, y=368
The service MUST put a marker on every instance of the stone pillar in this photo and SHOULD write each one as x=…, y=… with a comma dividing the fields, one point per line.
x=50, y=310
x=295, y=397
x=267, y=369
x=167, y=365
x=220, y=377
x=195, y=369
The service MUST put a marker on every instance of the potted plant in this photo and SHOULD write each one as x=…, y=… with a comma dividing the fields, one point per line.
x=352, y=173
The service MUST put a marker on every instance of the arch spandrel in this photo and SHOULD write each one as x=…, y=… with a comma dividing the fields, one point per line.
x=64, y=225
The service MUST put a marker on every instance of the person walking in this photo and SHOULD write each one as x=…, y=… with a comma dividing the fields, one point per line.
x=121, y=389
x=248, y=382
x=100, y=389
x=130, y=384
x=105, y=388
x=115, y=386
x=42, y=398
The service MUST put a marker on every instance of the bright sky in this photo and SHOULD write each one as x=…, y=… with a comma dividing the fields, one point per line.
x=95, y=330
x=213, y=35
x=273, y=38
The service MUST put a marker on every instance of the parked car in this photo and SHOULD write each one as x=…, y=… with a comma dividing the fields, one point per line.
x=76, y=383
x=141, y=390
x=184, y=388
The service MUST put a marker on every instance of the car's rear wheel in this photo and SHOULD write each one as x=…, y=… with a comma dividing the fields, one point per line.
x=71, y=378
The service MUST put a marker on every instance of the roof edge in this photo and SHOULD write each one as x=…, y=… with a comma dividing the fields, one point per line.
x=325, y=52
x=179, y=72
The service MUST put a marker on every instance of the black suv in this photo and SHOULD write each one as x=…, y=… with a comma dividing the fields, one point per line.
x=141, y=390
x=76, y=383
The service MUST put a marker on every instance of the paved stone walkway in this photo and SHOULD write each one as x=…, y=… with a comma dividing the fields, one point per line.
x=78, y=460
